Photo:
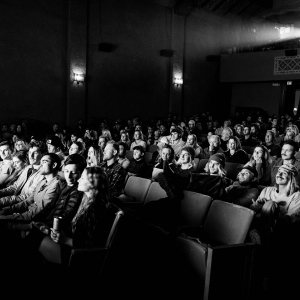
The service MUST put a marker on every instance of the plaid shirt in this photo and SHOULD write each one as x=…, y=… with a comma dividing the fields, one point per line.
x=116, y=177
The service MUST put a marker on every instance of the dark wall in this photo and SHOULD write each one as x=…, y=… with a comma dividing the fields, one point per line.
x=33, y=51
x=39, y=48
x=133, y=79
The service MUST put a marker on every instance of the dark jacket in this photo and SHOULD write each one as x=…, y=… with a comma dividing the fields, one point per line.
x=239, y=157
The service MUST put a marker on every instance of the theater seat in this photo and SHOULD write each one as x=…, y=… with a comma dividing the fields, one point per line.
x=136, y=189
x=232, y=170
x=152, y=148
x=148, y=156
x=93, y=259
x=155, y=192
x=129, y=154
x=202, y=164
x=217, y=263
x=194, y=208
x=196, y=160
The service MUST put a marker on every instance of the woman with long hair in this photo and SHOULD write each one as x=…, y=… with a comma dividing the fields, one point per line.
x=226, y=134
x=185, y=163
x=124, y=138
x=20, y=161
x=215, y=165
x=91, y=224
x=261, y=160
x=235, y=153
x=192, y=142
x=137, y=140
x=107, y=134
x=76, y=147
x=20, y=144
x=94, y=156
x=239, y=131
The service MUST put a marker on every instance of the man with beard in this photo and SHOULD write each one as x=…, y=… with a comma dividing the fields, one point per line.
x=288, y=152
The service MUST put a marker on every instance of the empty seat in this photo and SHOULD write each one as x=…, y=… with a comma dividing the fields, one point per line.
x=148, y=156
x=136, y=189
x=202, y=164
x=155, y=192
x=129, y=154
x=232, y=169
x=194, y=208
x=152, y=148
x=209, y=269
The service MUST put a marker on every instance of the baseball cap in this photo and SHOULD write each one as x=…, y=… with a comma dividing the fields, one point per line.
x=54, y=141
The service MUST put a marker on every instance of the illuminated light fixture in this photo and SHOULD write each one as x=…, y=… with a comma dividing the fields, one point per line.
x=178, y=81
x=78, y=78
x=289, y=82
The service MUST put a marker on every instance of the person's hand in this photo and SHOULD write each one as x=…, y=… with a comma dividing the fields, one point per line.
x=58, y=236
x=42, y=227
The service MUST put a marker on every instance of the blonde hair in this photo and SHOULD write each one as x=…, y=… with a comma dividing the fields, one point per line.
x=292, y=186
x=221, y=171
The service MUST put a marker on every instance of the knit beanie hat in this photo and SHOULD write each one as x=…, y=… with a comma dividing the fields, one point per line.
x=290, y=169
x=218, y=157
x=190, y=150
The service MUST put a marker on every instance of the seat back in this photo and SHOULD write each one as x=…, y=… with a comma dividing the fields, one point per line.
x=297, y=155
x=260, y=187
x=227, y=223
x=148, y=156
x=232, y=169
x=202, y=164
x=194, y=208
x=129, y=154
x=196, y=160
x=152, y=148
x=248, y=149
x=137, y=188
x=155, y=192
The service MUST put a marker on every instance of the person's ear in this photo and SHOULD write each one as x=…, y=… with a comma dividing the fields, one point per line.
x=54, y=165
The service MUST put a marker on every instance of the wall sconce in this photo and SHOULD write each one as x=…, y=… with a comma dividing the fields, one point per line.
x=78, y=78
x=178, y=81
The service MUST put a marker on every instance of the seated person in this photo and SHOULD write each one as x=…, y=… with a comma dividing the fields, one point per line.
x=91, y=224
x=269, y=143
x=176, y=141
x=76, y=147
x=20, y=161
x=54, y=145
x=192, y=142
x=28, y=180
x=235, y=153
x=260, y=160
x=280, y=202
x=167, y=154
x=185, y=164
x=122, y=159
x=137, y=140
x=156, y=156
x=214, y=147
x=215, y=166
x=68, y=200
x=138, y=166
x=42, y=201
x=247, y=139
x=278, y=138
x=288, y=152
x=6, y=165
x=226, y=134
x=244, y=190
x=113, y=170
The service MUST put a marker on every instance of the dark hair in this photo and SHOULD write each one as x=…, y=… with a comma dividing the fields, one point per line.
x=6, y=143
x=39, y=144
x=140, y=148
x=22, y=155
x=254, y=125
x=54, y=159
x=292, y=143
x=237, y=142
x=79, y=144
x=125, y=145
x=76, y=159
